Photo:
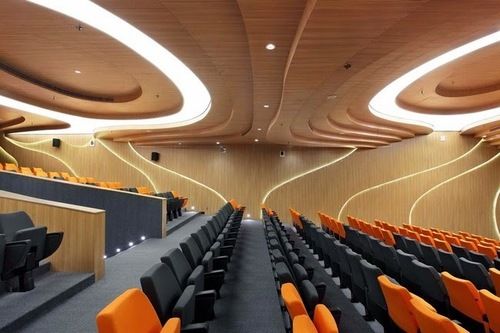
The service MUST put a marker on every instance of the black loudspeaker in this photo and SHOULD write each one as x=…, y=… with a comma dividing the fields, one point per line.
x=155, y=156
x=56, y=142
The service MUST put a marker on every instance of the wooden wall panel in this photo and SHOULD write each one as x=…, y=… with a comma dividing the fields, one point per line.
x=248, y=172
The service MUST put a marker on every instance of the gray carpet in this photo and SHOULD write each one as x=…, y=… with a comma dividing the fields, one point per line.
x=249, y=302
x=77, y=315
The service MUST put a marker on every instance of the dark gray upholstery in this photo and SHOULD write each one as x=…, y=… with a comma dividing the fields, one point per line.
x=345, y=269
x=413, y=247
x=375, y=301
x=400, y=242
x=194, y=255
x=431, y=256
x=450, y=263
x=389, y=260
x=405, y=262
x=431, y=288
x=477, y=274
x=460, y=251
x=481, y=258
x=357, y=279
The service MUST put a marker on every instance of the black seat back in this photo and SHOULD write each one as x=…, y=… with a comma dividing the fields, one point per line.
x=450, y=263
x=431, y=286
x=431, y=256
x=477, y=274
x=390, y=261
x=201, y=239
x=177, y=262
x=481, y=258
x=192, y=251
x=460, y=251
x=400, y=242
x=405, y=260
x=357, y=279
x=375, y=301
x=413, y=247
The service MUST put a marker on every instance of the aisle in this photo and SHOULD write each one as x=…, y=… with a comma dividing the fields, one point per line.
x=249, y=301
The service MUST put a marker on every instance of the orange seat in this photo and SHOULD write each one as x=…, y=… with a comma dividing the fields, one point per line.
x=442, y=245
x=292, y=300
x=492, y=307
x=132, y=312
x=407, y=226
x=65, y=175
x=427, y=232
x=495, y=278
x=465, y=298
x=427, y=240
x=388, y=237
x=91, y=180
x=72, y=179
x=464, y=233
x=340, y=228
x=458, y=235
x=143, y=190
x=303, y=324
x=417, y=229
x=438, y=235
x=430, y=321
x=488, y=250
x=398, y=304
x=26, y=171
x=11, y=167
x=53, y=174
x=379, y=223
x=470, y=245
x=377, y=232
x=323, y=320
x=413, y=234
x=452, y=240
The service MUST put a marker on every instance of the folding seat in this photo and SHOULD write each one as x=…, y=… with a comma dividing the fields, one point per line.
x=398, y=304
x=303, y=324
x=11, y=167
x=205, y=245
x=495, y=279
x=133, y=312
x=345, y=269
x=460, y=251
x=407, y=226
x=323, y=322
x=377, y=232
x=426, y=232
x=413, y=235
x=430, y=321
x=430, y=286
x=352, y=239
x=464, y=233
x=195, y=257
x=477, y=274
x=326, y=245
x=450, y=263
x=365, y=246
x=452, y=240
x=301, y=300
x=375, y=302
x=400, y=242
x=481, y=258
x=492, y=307
x=26, y=171
x=341, y=229
x=438, y=235
x=405, y=262
x=469, y=245
x=18, y=226
x=426, y=239
x=227, y=247
x=333, y=255
x=186, y=275
x=12, y=258
x=413, y=247
x=358, y=282
x=53, y=174
x=390, y=261
x=431, y=257
x=170, y=300
x=72, y=179
x=465, y=299
x=442, y=245
x=487, y=250
x=388, y=237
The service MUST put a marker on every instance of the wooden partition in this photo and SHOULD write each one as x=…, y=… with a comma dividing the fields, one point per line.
x=82, y=247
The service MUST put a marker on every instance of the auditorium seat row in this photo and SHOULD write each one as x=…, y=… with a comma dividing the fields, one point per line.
x=450, y=295
x=22, y=247
x=186, y=281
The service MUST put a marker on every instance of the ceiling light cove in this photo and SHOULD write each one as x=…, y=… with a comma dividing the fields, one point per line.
x=384, y=103
x=196, y=98
x=270, y=46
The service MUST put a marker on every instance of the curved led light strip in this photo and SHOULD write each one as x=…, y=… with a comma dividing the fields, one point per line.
x=196, y=98
x=447, y=181
x=133, y=166
x=20, y=145
x=305, y=173
x=34, y=143
x=178, y=174
x=384, y=103
x=406, y=177
x=495, y=222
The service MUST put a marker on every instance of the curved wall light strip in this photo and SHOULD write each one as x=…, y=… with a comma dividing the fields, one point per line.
x=178, y=174
x=196, y=98
x=306, y=173
x=495, y=222
x=405, y=177
x=130, y=164
x=447, y=181
x=34, y=143
x=384, y=104
x=21, y=145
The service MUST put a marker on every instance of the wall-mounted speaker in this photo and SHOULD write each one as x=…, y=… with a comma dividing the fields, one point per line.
x=56, y=142
x=155, y=156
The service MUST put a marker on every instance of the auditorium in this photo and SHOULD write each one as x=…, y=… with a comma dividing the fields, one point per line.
x=241, y=166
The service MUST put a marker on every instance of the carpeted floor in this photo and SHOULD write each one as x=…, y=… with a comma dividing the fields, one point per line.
x=249, y=302
x=351, y=321
x=77, y=315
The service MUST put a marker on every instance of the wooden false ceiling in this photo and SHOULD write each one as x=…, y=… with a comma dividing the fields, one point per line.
x=331, y=58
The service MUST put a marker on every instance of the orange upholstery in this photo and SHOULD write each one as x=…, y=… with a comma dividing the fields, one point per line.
x=379, y=223
x=427, y=232
x=114, y=185
x=472, y=239
x=495, y=278
x=296, y=218
x=26, y=171
x=492, y=307
x=407, y=226
x=173, y=325
x=458, y=235
x=233, y=202
x=488, y=250
x=82, y=180
x=91, y=180
x=452, y=240
x=413, y=234
x=323, y=320
x=41, y=173
x=377, y=232
x=72, y=179
x=100, y=184
x=65, y=175
x=417, y=229
x=398, y=304
x=340, y=228
x=303, y=324
x=442, y=245
x=464, y=233
x=293, y=301
x=53, y=174
x=143, y=190
x=1, y=166
x=388, y=237
x=11, y=167
x=438, y=235
x=403, y=232
x=464, y=297
x=470, y=245
x=430, y=321
x=427, y=240
x=132, y=312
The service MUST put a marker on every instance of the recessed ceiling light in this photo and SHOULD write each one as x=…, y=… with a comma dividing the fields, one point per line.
x=77, y=71
x=256, y=140
x=217, y=143
x=270, y=46
x=266, y=106
x=259, y=129
x=332, y=97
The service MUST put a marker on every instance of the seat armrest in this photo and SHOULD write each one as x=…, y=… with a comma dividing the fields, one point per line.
x=310, y=272
x=214, y=280
x=15, y=256
x=221, y=262
x=230, y=235
x=204, y=306
x=226, y=250
x=207, y=261
x=321, y=289
x=228, y=241
x=195, y=328
x=197, y=278
x=52, y=242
